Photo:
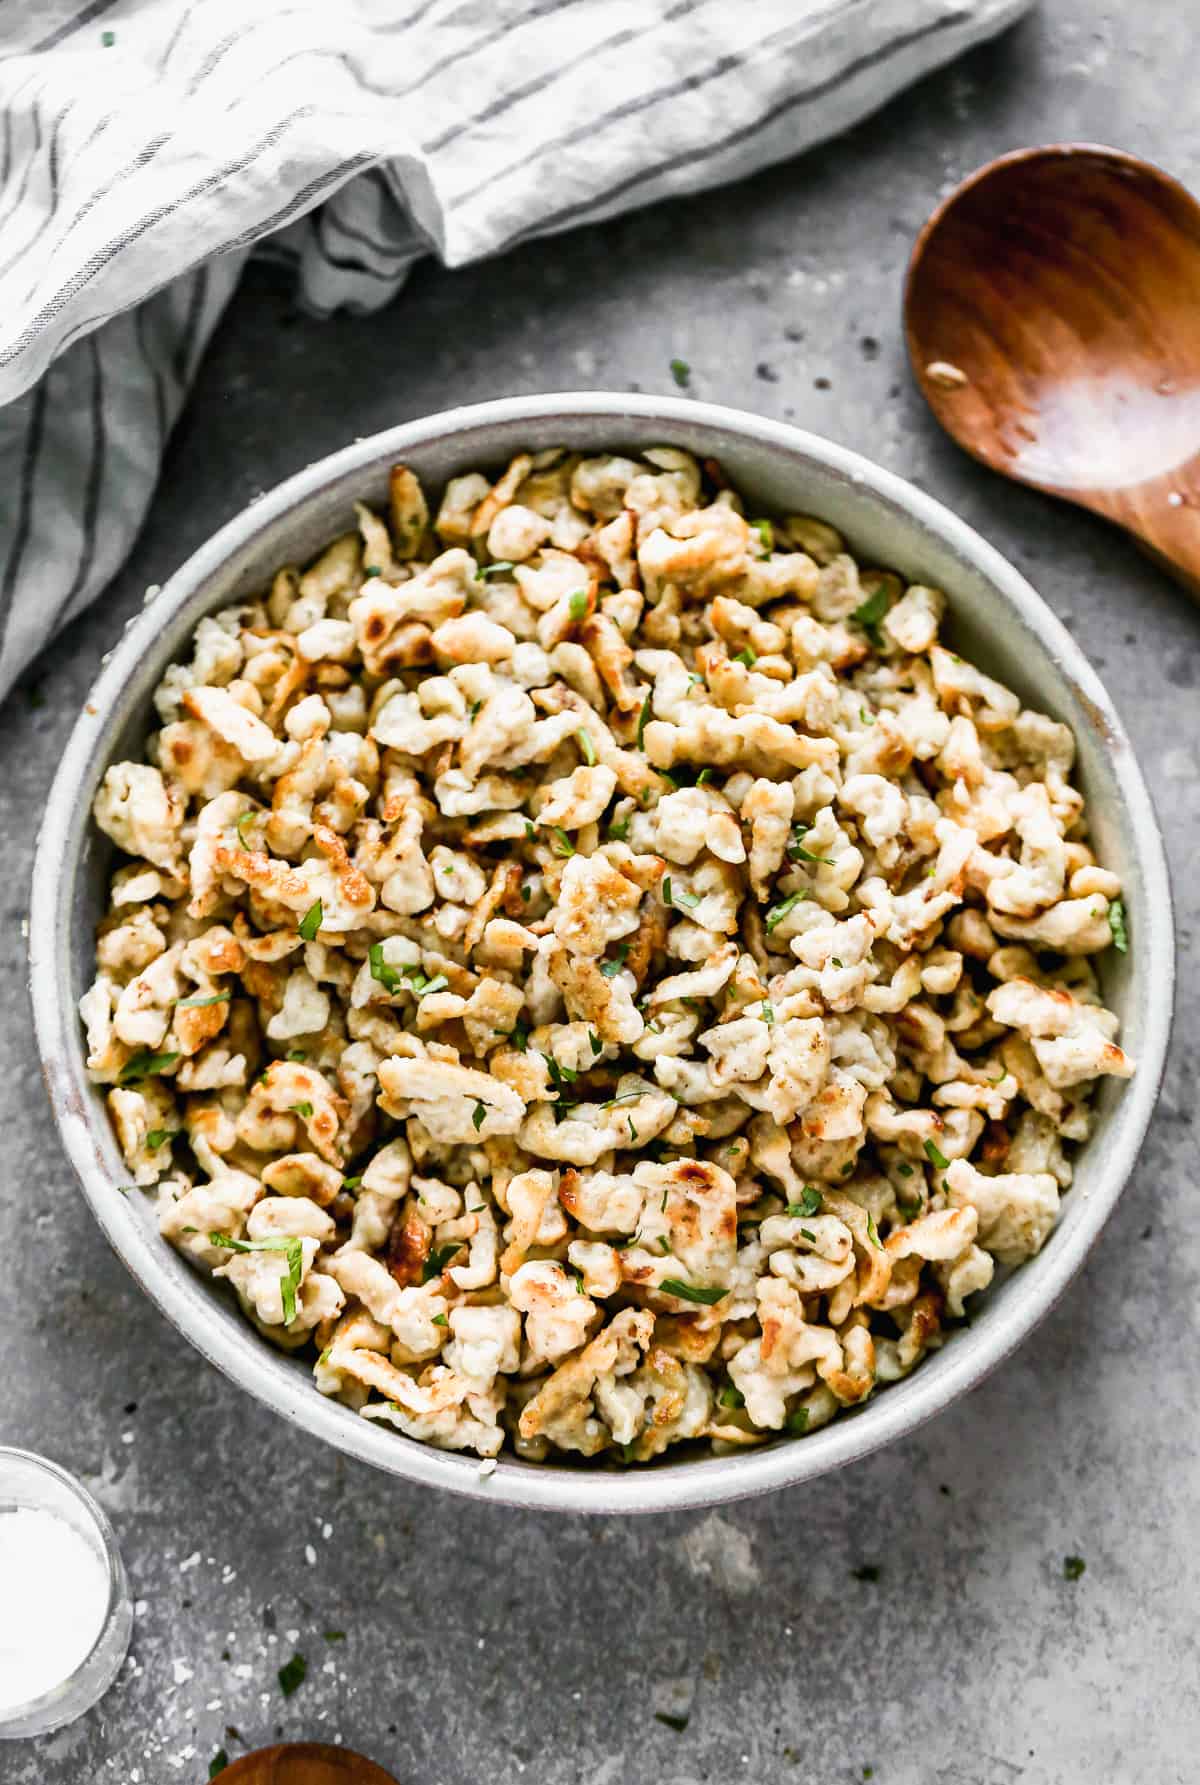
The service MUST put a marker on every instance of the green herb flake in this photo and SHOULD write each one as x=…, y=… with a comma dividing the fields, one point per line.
x=810, y=1203
x=731, y=1396
x=798, y=853
x=777, y=913
x=479, y=1116
x=904, y=1169
x=303, y=1110
x=390, y=978
x=681, y=372
x=352, y=1183
x=497, y=569
x=619, y=829
x=202, y=1003
x=519, y=1036
x=246, y=818
x=560, y=843
x=1117, y=924
x=873, y=1233
x=872, y=609
x=678, y=1724
x=293, y=1253
x=297, y=1053
x=108, y=38
x=334, y=1635
x=867, y=1571
x=372, y=570
x=440, y=1320
x=587, y=747
x=577, y=603
x=935, y=1155
x=797, y=1421
x=158, y=1137
x=704, y=1293
x=610, y=969
x=766, y=534
x=292, y=1675
x=595, y=1043
x=438, y=1259
x=529, y=830
x=145, y=1065
x=768, y=1014
x=218, y=1763
x=688, y=900
x=704, y=776
x=310, y=923
x=1073, y=1567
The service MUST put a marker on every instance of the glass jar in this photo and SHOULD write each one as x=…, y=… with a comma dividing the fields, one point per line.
x=32, y=1483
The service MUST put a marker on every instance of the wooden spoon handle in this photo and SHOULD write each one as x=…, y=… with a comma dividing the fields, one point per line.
x=1163, y=515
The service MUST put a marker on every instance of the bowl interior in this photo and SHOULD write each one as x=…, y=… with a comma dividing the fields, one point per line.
x=995, y=619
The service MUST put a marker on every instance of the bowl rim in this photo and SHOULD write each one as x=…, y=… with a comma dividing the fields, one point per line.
x=238, y=1351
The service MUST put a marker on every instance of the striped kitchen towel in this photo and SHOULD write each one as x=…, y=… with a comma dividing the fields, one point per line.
x=146, y=146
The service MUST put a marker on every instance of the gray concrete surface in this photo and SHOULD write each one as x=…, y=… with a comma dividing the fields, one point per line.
x=480, y=1643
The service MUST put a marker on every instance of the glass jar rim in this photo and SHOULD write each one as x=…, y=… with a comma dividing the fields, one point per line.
x=108, y=1544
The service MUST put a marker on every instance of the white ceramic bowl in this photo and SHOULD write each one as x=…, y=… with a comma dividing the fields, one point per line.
x=996, y=619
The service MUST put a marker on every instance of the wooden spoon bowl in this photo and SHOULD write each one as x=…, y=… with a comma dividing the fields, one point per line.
x=1052, y=315
x=305, y=1763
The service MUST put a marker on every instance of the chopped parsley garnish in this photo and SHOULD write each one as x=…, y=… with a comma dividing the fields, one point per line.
x=496, y=569
x=777, y=913
x=768, y=1014
x=440, y=1320
x=681, y=372
x=619, y=829
x=560, y=843
x=218, y=1763
x=577, y=603
x=681, y=896
x=409, y=978
x=519, y=1036
x=731, y=1396
x=352, y=1183
x=666, y=890
x=935, y=1155
x=810, y=1203
x=245, y=819
x=372, y=570
x=797, y=1421
x=610, y=969
x=748, y=657
x=703, y=776
x=872, y=611
x=292, y=1675
x=678, y=1724
x=1073, y=1567
x=867, y=1571
x=559, y=1075
x=1118, y=926
x=798, y=853
x=529, y=830
x=479, y=1116
x=594, y=1042
x=108, y=38
x=158, y=1137
x=293, y=1253
x=145, y=1065
x=588, y=748
x=297, y=1053
x=334, y=1635
x=873, y=1232
x=904, y=1169
x=705, y=1293
x=438, y=1259
x=202, y=1003
x=642, y=718
x=303, y=1110
x=766, y=534
x=310, y=923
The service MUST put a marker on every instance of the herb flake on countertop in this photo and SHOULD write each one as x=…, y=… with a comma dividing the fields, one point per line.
x=681, y=372
x=292, y=1675
x=678, y=1724
x=1073, y=1567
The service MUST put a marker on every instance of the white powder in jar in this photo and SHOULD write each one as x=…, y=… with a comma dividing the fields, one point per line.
x=54, y=1587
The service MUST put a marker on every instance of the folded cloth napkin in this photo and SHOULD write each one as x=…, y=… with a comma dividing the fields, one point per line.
x=147, y=145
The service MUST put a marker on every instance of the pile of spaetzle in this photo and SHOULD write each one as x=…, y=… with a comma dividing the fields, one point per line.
x=593, y=969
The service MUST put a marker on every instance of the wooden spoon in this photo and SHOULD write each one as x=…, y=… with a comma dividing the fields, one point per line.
x=1052, y=313
x=305, y=1763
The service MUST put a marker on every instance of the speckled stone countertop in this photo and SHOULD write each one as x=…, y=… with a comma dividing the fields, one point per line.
x=907, y=1620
